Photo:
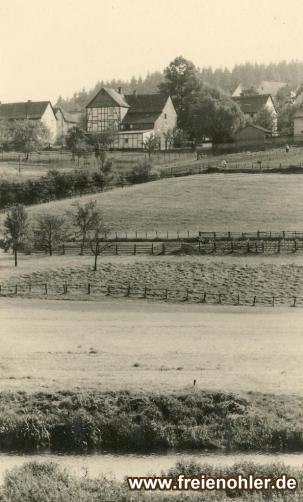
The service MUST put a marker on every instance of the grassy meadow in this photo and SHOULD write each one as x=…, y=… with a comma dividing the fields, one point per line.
x=234, y=202
x=122, y=344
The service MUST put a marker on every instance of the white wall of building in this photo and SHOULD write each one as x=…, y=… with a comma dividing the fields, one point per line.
x=49, y=120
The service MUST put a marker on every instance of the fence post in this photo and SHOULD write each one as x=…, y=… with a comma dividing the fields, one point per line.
x=214, y=246
x=219, y=298
x=238, y=300
x=128, y=291
x=152, y=248
x=145, y=292
x=166, y=294
x=273, y=301
x=88, y=289
x=63, y=249
x=254, y=301
x=295, y=301
x=279, y=245
x=163, y=248
x=199, y=246
x=16, y=289
x=247, y=247
x=295, y=246
x=30, y=287
x=231, y=246
x=108, y=291
x=45, y=288
x=135, y=248
x=187, y=292
x=116, y=248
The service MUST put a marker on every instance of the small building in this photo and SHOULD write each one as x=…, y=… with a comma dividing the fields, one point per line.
x=298, y=124
x=31, y=110
x=135, y=117
x=252, y=134
x=64, y=122
x=252, y=104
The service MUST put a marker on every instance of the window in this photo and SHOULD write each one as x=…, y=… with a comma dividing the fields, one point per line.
x=126, y=140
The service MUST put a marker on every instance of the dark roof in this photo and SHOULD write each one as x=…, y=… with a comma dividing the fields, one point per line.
x=133, y=117
x=254, y=126
x=29, y=109
x=107, y=97
x=148, y=103
x=144, y=108
x=252, y=104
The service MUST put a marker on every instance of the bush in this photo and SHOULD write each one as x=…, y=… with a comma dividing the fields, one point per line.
x=141, y=173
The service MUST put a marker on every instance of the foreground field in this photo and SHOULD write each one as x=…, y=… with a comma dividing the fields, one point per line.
x=140, y=346
x=235, y=202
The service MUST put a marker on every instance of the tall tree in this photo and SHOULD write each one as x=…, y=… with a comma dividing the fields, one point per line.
x=97, y=233
x=50, y=231
x=84, y=220
x=28, y=136
x=213, y=115
x=16, y=230
x=182, y=83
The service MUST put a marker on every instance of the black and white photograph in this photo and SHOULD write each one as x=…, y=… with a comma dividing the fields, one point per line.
x=151, y=251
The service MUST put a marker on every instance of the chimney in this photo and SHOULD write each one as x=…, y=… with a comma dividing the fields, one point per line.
x=120, y=90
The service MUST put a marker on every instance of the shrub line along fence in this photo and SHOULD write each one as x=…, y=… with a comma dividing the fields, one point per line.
x=260, y=242
x=146, y=292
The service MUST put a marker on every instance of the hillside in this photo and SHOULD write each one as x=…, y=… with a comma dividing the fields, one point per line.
x=235, y=202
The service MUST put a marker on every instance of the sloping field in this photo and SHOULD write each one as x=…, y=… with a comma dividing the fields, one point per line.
x=235, y=202
x=230, y=278
x=139, y=346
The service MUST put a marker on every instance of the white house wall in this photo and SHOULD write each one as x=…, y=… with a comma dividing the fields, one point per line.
x=49, y=120
x=166, y=121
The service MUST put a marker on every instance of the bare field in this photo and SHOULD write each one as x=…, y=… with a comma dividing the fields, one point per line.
x=263, y=278
x=221, y=202
x=112, y=345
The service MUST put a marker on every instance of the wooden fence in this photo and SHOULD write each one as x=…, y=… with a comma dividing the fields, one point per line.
x=145, y=292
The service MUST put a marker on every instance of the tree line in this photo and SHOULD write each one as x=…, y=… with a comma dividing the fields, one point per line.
x=223, y=78
x=48, y=231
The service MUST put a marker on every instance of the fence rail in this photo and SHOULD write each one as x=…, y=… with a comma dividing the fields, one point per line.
x=139, y=291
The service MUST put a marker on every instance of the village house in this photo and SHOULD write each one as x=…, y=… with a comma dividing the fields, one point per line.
x=253, y=103
x=31, y=110
x=135, y=117
x=271, y=87
x=65, y=121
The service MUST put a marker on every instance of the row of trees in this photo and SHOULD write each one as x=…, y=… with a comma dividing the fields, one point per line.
x=48, y=231
x=56, y=185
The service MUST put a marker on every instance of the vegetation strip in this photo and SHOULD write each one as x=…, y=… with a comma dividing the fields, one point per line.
x=35, y=482
x=147, y=422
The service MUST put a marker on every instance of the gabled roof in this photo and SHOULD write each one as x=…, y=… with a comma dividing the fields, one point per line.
x=68, y=117
x=107, y=97
x=148, y=103
x=252, y=103
x=270, y=87
x=133, y=117
x=32, y=110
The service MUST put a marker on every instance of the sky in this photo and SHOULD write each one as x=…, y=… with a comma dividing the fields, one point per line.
x=56, y=47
